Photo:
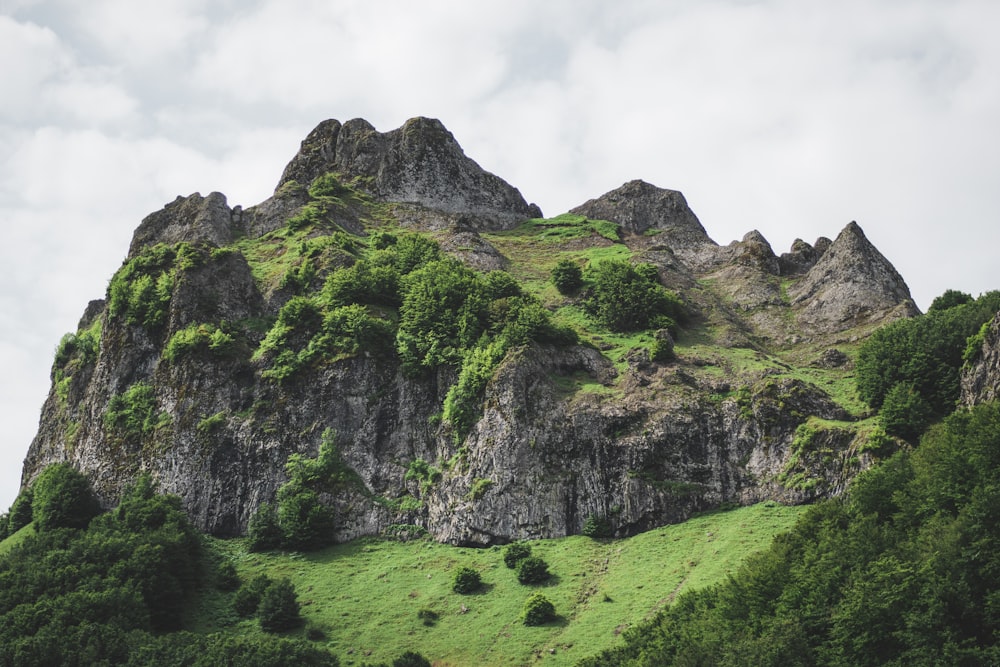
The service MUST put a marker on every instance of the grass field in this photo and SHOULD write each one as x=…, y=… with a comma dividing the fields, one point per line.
x=365, y=595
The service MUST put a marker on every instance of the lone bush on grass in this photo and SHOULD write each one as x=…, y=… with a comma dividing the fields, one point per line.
x=533, y=570
x=467, y=581
x=538, y=610
x=514, y=553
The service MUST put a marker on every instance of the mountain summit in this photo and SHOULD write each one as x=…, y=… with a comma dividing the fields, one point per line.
x=391, y=313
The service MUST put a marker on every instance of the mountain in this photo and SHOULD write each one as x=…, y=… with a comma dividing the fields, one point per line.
x=231, y=340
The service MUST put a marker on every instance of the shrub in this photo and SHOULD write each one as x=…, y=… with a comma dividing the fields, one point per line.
x=625, y=298
x=199, y=340
x=411, y=659
x=20, y=511
x=538, y=610
x=133, y=414
x=514, y=553
x=279, y=608
x=533, y=570
x=427, y=616
x=62, y=498
x=567, y=276
x=466, y=581
x=248, y=596
x=905, y=413
x=596, y=526
x=226, y=578
x=263, y=530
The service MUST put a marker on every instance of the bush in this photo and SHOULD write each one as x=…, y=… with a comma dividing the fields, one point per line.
x=626, y=298
x=411, y=659
x=226, y=578
x=264, y=531
x=248, y=596
x=905, y=413
x=567, y=276
x=533, y=570
x=466, y=581
x=538, y=610
x=427, y=616
x=514, y=553
x=133, y=413
x=279, y=608
x=20, y=511
x=596, y=526
x=62, y=498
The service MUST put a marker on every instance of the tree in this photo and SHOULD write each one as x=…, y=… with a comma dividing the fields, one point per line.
x=949, y=299
x=624, y=298
x=264, y=531
x=466, y=581
x=533, y=570
x=248, y=597
x=596, y=526
x=20, y=511
x=62, y=498
x=905, y=413
x=567, y=276
x=538, y=610
x=514, y=553
x=279, y=608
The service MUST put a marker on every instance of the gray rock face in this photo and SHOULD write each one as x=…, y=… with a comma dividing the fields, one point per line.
x=641, y=208
x=852, y=283
x=563, y=433
x=194, y=219
x=419, y=163
x=981, y=380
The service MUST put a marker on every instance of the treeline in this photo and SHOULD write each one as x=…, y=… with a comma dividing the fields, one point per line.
x=87, y=588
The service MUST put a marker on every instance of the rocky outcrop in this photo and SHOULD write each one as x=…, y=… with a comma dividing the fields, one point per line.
x=851, y=284
x=418, y=163
x=640, y=208
x=562, y=433
x=981, y=378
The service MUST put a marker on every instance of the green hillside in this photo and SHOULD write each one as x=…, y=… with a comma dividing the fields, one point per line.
x=366, y=596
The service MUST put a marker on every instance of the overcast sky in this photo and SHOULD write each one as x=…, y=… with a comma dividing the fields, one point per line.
x=786, y=116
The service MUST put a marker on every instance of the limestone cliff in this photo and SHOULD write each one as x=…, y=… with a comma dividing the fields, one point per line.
x=981, y=377
x=169, y=375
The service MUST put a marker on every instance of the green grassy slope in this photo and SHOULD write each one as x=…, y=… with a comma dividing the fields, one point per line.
x=366, y=595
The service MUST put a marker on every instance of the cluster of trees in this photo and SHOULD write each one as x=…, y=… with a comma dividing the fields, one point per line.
x=90, y=588
x=620, y=295
x=910, y=369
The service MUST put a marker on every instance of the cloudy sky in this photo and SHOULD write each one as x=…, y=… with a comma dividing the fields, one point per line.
x=789, y=117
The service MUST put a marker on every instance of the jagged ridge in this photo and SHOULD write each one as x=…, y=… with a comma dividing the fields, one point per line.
x=564, y=433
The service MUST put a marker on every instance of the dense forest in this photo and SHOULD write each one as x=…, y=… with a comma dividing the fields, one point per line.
x=901, y=570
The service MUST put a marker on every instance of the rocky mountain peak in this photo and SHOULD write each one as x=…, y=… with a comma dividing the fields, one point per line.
x=850, y=284
x=640, y=208
x=194, y=219
x=419, y=163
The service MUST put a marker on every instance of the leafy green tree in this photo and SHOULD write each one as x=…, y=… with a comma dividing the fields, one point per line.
x=305, y=522
x=279, y=607
x=62, y=498
x=596, y=526
x=20, y=511
x=264, y=530
x=467, y=580
x=567, y=276
x=624, y=297
x=949, y=299
x=533, y=570
x=905, y=413
x=514, y=553
x=247, y=599
x=538, y=610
